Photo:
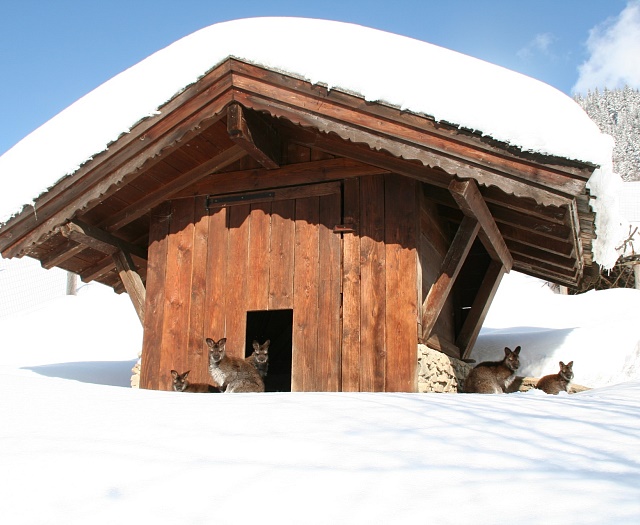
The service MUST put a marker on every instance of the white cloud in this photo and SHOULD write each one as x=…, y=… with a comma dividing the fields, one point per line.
x=614, y=49
x=541, y=43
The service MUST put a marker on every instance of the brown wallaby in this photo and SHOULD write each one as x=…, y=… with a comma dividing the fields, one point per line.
x=260, y=357
x=232, y=373
x=493, y=377
x=180, y=384
x=556, y=383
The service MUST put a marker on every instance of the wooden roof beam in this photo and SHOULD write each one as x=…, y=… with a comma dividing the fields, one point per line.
x=98, y=270
x=255, y=135
x=479, y=309
x=472, y=204
x=62, y=253
x=289, y=175
x=451, y=266
x=139, y=208
x=99, y=240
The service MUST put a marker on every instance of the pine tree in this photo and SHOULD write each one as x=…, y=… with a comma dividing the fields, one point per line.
x=617, y=113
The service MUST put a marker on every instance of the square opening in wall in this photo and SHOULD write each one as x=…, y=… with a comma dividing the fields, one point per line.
x=277, y=327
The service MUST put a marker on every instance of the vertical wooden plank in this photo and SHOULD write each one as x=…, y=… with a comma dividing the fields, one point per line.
x=373, y=284
x=215, y=306
x=259, y=247
x=281, y=256
x=401, y=312
x=351, y=288
x=177, y=291
x=154, y=305
x=237, y=271
x=305, y=295
x=328, y=367
x=197, y=357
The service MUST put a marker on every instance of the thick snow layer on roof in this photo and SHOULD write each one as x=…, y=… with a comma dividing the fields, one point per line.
x=379, y=66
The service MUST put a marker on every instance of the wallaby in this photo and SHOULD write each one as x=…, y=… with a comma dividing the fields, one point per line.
x=180, y=384
x=260, y=357
x=233, y=374
x=555, y=383
x=493, y=377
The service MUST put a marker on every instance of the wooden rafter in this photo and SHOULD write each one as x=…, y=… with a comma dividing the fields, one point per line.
x=257, y=137
x=451, y=266
x=99, y=240
x=479, y=309
x=139, y=208
x=62, y=253
x=288, y=175
x=472, y=204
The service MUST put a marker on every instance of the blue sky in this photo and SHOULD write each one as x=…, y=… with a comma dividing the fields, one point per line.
x=52, y=52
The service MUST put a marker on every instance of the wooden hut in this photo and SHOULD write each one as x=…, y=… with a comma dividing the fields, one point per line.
x=258, y=205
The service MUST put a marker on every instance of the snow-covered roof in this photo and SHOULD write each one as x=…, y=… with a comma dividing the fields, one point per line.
x=413, y=75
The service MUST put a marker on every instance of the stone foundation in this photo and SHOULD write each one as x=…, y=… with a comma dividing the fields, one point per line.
x=437, y=372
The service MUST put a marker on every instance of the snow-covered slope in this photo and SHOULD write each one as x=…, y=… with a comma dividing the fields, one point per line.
x=77, y=447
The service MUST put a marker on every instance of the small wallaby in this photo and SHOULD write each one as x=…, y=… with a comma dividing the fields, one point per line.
x=494, y=377
x=260, y=357
x=180, y=384
x=556, y=383
x=233, y=374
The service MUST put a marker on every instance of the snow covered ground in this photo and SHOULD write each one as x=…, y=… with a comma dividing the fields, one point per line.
x=77, y=446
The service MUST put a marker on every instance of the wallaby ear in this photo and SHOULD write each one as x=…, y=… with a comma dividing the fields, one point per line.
x=267, y=343
x=561, y=364
x=174, y=374
x=517, y=350
x=210, y=342
x=570, y=364
x=506, y=350
x=256, y=345
x=222, y=341
x=184, y=376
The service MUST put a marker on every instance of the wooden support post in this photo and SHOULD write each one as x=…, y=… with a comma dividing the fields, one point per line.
x=249, y=131
x=451, y=265
x=471, y=202
x=479, y=309
x=132, y=281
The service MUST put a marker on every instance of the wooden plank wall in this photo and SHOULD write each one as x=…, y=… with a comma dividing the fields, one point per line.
x=208, y=269
x=380, y=295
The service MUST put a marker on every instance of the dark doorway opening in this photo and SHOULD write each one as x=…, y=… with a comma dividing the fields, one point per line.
x=277, y=326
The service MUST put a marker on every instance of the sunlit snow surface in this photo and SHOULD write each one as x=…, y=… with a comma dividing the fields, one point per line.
x=78, y=447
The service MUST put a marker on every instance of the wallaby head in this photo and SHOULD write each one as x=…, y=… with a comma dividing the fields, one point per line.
x=566, y=371
x=261, y=352
x=216, y=350
x=180, y=380
x=512, y=358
